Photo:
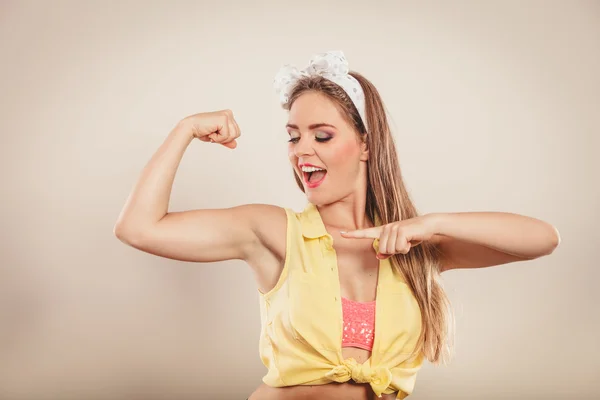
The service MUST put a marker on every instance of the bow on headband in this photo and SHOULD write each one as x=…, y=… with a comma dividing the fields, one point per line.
x=331, y=65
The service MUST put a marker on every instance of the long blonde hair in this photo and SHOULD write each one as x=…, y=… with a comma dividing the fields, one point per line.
x=388, y=199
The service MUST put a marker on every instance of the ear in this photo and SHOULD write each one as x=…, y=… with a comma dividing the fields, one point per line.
x=364, y=149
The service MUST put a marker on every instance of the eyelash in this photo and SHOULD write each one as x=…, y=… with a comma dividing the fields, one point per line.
x=320, y=140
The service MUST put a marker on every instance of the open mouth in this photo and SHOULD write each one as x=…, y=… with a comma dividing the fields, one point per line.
x=313, y=176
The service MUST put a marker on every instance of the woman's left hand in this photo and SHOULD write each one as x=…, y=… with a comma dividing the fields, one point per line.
x=397, y=237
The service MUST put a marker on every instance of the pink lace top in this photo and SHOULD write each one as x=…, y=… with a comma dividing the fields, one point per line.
x=359, y=324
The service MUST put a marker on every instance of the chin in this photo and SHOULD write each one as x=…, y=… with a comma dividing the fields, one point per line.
x=314, y=198
x=319, y=199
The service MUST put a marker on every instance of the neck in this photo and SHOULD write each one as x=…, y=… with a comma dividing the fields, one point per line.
x=348, y=213
x=345, y=215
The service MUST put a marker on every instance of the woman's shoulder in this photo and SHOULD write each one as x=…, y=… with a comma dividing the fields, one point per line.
x=272, y=222
x=263, y=213
x=269, y=222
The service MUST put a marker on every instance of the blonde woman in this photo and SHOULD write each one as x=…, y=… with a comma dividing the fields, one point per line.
x=351, y=303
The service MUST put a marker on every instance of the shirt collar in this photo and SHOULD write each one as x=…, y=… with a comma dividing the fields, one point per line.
x=312, y=224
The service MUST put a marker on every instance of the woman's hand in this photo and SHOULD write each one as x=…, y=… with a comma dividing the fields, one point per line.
x=215, y=127
x=397, y=237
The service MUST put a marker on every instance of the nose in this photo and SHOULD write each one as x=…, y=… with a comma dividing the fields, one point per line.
x=304, y=147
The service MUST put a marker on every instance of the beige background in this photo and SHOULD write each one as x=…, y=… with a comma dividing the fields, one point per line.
x=495, y=105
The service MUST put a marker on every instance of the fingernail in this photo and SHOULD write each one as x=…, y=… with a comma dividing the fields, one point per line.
x=342, y=232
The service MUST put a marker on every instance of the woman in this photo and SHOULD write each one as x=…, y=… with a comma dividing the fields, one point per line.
x=350, y=299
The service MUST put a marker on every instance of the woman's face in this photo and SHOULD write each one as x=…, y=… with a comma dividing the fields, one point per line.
x=325, y=150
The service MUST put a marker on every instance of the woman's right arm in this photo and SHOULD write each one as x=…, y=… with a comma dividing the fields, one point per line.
x=205, y=235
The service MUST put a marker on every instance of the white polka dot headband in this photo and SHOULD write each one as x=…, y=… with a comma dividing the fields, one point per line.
x=331, y=65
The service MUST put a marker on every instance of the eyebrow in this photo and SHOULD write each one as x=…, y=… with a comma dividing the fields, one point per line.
x=312, y=126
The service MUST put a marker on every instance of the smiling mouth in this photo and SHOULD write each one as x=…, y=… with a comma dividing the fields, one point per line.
x=313, y=179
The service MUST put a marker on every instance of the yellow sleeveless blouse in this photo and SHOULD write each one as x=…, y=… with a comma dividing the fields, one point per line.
x=302, y=324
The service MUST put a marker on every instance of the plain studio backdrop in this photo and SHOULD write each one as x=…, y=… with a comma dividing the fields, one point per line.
x=495, y=105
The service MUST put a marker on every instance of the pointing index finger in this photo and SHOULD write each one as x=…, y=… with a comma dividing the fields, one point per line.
x=369, y=233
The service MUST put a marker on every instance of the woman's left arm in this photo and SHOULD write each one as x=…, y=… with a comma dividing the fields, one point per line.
x=484, y=239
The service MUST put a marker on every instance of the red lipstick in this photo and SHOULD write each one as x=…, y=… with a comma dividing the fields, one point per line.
x=306, y=175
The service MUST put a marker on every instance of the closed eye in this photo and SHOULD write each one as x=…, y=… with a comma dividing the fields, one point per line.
x=320, y=140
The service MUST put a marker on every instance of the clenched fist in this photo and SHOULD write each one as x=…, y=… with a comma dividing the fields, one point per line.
x=215, y=127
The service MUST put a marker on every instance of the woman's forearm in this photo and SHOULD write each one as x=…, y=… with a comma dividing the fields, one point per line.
x=513, y=234
x=148, y=202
